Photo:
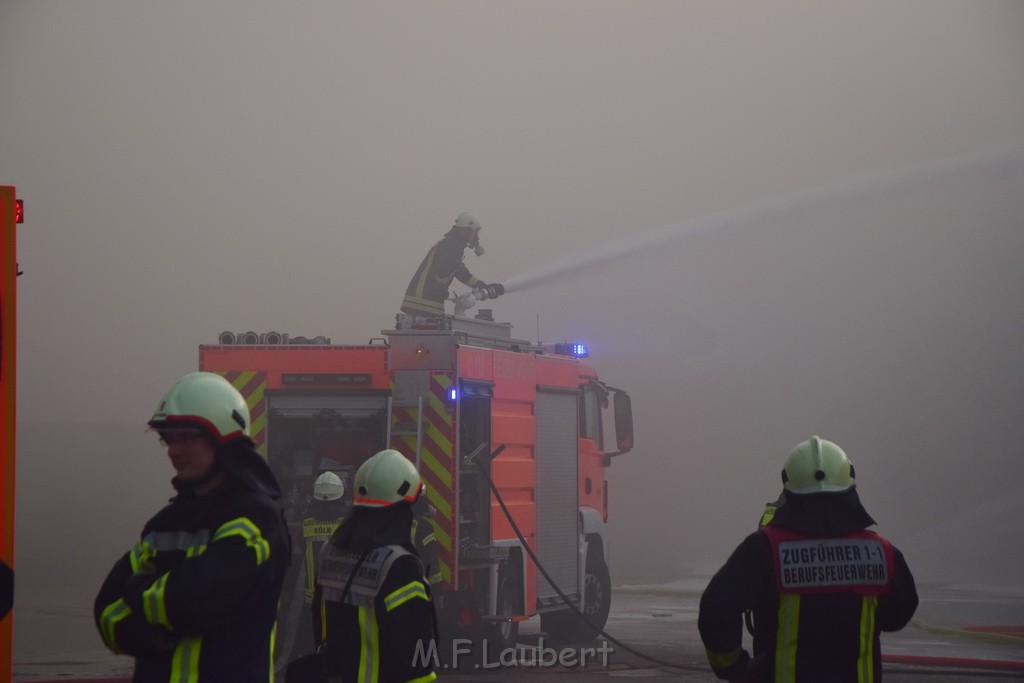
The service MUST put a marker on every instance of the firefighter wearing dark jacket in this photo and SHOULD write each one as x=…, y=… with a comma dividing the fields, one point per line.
x=372, y=605
x=424, y=539
x=821, y=586
x=196, y=598
x=428, y=289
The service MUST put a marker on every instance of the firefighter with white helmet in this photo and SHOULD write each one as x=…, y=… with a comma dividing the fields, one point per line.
x=328, y=486
x=324, y=515
x=820, y=585
x=428, y=289
x=373, y=600
x=198, y=594
x=321, y=517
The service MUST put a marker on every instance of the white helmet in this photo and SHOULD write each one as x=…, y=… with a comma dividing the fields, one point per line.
x=385, y=479
x=206, y=400
x=466, y=220
x=817, y=466
x=328, y=486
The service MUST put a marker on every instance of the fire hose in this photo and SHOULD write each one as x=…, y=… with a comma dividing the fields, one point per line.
x=565, y=598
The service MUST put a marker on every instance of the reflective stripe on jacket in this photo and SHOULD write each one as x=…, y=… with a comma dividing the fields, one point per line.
x=428, y=289
x=860, y=565
x=382, y=628
x=196, y=598
x=821, y=621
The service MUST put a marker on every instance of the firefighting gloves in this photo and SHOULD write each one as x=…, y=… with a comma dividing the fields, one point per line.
x=493, y=290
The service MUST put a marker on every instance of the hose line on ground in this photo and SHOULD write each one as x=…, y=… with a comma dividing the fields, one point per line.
x=563, y=596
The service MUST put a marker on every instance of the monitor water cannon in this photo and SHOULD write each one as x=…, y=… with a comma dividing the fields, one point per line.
x=464, y=302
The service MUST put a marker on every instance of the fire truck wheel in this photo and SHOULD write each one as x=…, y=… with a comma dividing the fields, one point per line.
x=502, y=635
x=565, y=626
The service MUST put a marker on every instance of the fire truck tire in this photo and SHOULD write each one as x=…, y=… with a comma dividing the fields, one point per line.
x=565, y=626
x=502, y=635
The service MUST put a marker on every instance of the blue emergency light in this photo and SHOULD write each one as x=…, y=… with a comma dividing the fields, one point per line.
x=575, y=349
x=453, y=394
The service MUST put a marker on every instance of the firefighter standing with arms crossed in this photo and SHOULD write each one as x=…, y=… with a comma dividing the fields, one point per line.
x=820, y=585
x=196, y=598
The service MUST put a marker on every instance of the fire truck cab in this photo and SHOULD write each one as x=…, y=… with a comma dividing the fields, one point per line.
x=447, y=392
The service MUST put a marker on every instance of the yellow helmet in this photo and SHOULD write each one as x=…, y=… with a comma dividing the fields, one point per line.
x=206, y=400
x=817, y=466
x=385, y=479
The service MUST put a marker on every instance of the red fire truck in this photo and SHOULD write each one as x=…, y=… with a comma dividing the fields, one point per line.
x=440, y=390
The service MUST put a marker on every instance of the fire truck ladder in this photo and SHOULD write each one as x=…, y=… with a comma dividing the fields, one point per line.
x=407, y=428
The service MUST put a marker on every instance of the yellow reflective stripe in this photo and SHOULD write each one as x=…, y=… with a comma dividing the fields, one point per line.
x=185, y=661
x=310, y=573
x=439, y=533
x=250, y=532
x=423, y=679
x=413, y=589
x=369, y=661
x=323, y=618
x=153, y=603
x=785, y=638
x=445, y=569
x=273, y=645
x=866, y=659
x=435, y=466
x=109, y=618
x=427, y=266
x=429, y=538
x=723, y=660
x=141, y=557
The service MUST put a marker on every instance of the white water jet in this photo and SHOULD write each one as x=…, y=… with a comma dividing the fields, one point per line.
x=873, y=184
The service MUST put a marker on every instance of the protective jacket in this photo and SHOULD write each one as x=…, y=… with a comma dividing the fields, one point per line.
x=374, y=605
x=196, y=598
x=428, y=289
x=821, y=588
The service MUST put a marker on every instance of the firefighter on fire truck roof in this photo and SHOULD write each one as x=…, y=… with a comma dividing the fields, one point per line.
x=820, y=585
x=428, y=289
x=372, y=603
x=196, y=598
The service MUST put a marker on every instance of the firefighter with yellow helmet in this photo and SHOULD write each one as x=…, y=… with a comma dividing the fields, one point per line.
x=428, y=289
x=821, y=586
x=373, y=603
x=196, y=598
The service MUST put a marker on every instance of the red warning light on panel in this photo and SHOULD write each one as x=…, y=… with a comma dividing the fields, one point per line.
x=19, y=210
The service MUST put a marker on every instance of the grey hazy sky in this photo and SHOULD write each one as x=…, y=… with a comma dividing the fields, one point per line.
x=192, y=167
